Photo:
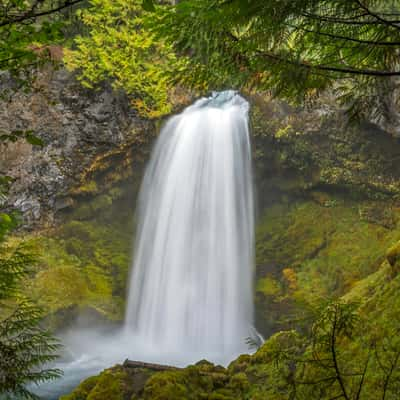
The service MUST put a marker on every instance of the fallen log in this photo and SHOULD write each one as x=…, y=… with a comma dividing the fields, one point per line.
x=154, y=367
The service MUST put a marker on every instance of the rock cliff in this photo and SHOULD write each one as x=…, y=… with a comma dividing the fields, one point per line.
x=75, y=124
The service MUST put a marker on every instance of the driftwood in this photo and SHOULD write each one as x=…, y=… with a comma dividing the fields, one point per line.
x=153, y=367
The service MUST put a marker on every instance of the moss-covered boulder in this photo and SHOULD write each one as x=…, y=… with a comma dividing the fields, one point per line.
x=108, y=385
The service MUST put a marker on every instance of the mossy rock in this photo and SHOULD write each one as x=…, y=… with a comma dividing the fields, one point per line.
x=240, y=364
x=393, y=254
x=84, y=262
x=116, y=383
x=110, y=384
x=167, y=385
x=316, y=248
x=83, y=390
x=239, y=382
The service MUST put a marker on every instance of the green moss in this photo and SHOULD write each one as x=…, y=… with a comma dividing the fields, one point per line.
x=97, y=204
x=60, y=287
x=88, y=187
x=110, y=384
x=240, y=364
x=239, y=382
x=83, y=390
x=192, y=383
x=393, y=254
x=222, y=394
x=269, y=286
x=84, y=263
x=286, y=235
x=317, y=248
x=169, y=385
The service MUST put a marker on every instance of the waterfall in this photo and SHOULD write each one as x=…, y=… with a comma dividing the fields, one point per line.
x=190, y=289
x=190, y=295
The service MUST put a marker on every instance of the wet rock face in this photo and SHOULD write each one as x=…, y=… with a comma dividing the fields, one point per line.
x=74, y=123
x=298, y=150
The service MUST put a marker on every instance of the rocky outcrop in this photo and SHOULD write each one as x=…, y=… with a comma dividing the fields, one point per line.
x=301, y=149
x=75, y=125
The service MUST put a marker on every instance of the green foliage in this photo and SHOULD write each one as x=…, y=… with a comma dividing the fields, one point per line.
x=15, y=262
x=16, y=135
x=300, y=263
x=24, y=345
x=148, y=5
x=108, y=385
x=27, y=29
x=293, y=48
x=327, y=258
x=120, y=48
x=83, y=264
x=76, y=272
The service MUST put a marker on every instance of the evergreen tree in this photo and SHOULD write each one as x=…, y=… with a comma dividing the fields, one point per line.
x=24, y=345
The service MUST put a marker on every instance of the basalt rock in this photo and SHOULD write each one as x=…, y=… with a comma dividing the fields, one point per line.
x=75, y=124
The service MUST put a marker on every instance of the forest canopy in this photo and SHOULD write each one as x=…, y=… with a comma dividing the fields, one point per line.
x=292, y=49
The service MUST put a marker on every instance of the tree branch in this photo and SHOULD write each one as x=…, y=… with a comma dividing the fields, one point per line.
x=346, y=21
x=349, y=39
x=389, y=375
x=334, y=357
x=377, y=16
x=351, y=71
x=360, y=386
x=31, y=15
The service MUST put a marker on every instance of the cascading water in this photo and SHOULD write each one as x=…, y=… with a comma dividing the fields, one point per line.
x=191, y=286
x=190, y=295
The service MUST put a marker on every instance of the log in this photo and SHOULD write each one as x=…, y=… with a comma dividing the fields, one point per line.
x=154, y=367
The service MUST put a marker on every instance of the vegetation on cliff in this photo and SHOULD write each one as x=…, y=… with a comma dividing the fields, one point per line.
x=83, y=263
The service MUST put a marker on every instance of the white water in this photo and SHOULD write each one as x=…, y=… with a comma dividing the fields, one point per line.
x=191, y=286
x=190, y=295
